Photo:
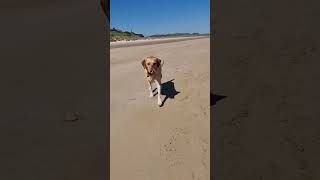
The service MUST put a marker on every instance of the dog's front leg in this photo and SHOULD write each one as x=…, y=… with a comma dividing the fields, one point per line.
x=159, y=92
x=150, y=89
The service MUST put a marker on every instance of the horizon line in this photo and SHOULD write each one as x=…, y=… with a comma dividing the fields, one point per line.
x=165, y=33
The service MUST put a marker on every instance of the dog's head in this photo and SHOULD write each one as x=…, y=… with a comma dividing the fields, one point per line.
x=151, y=64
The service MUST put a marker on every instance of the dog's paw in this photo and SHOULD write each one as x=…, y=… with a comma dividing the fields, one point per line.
x=150, y=95
x=159, y=102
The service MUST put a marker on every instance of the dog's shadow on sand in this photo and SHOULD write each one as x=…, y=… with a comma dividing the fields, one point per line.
x=215, y=98
x=168, y=90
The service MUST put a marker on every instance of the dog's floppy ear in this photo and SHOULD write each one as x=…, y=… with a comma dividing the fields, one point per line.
x=143, y=63
x=158, y=62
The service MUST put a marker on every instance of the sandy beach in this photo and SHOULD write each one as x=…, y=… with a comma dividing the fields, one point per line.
x=169, y=142
x=143, y=42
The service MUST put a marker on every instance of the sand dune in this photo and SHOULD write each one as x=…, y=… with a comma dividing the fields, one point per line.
x=169, y=142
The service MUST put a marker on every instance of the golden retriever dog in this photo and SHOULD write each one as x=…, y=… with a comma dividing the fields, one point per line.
x=152, y=68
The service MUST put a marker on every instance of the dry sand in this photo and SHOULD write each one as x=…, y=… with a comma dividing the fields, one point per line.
x=169, y=142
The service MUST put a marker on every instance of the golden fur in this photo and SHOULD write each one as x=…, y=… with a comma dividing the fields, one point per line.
x=153, y=70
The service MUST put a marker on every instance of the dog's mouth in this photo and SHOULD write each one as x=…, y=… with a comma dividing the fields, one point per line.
x=150, y=72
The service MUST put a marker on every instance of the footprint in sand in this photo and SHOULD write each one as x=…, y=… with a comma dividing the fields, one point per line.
x=173, y=151
x=184, y=98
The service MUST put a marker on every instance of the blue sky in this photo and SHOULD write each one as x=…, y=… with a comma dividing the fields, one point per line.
x=161, y=16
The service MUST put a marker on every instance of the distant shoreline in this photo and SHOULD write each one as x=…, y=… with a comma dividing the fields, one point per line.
x=120, y=35
x=153, y=40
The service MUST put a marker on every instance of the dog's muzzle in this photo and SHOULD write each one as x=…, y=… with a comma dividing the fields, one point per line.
x=149, y=74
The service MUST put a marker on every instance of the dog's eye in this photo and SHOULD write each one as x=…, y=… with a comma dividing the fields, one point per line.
x=148, y=63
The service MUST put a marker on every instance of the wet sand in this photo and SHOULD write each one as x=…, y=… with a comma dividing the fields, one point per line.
x=144, y=42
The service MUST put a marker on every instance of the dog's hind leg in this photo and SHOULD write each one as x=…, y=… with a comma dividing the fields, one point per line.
x=150, y=89
x=159, y=92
